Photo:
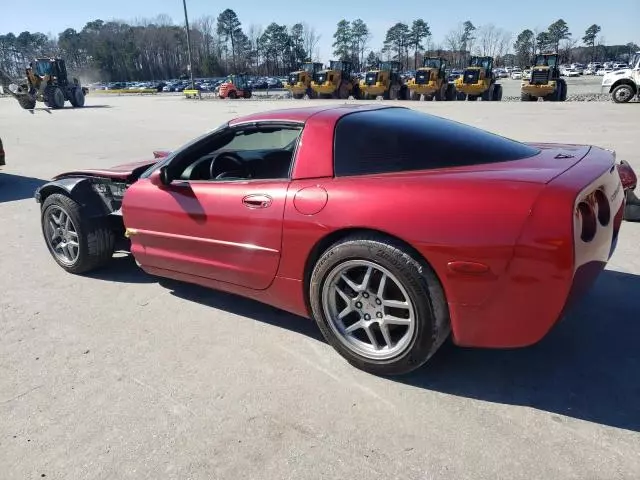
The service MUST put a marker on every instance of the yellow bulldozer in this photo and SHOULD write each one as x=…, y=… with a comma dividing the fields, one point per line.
x=299, y=82
x=46, y=81
x=545, y=81
x=336, y=81
x=478, y=81
x=431, y=82
x=384, y=81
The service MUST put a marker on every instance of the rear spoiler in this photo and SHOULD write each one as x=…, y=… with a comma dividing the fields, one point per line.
x=161, y=153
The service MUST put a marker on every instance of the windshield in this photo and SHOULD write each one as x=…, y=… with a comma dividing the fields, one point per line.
x=43, y=68
x=308, y=67
x=635, y=60
x=546, y=61
x=479, y=62
x=432, y=62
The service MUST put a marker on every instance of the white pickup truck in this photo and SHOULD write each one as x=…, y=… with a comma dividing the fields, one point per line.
x=624, y=84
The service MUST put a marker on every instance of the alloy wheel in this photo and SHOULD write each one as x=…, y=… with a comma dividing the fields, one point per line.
x=368, y=309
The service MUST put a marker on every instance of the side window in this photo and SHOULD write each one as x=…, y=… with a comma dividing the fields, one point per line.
x=244, y=153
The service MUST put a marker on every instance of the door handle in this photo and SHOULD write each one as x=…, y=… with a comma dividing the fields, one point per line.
x=257, y=201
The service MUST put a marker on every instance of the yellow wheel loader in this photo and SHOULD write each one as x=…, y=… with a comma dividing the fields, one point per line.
x=478, y=81
x=545, y=81
x=46, y=81
x=299, y=82
x=431, y=81
x=384, y=81
x=336, y=81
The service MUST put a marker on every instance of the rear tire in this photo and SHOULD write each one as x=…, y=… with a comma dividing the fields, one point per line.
x=232, y=95
x=497, y=93
x=382, y=339
x=563, y=94
x=94, y=240
x=450, y=94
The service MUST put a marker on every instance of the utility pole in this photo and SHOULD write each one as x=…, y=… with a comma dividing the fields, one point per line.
x=186, y=21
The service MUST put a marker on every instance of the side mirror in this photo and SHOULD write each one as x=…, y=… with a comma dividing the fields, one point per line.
x=161, y=177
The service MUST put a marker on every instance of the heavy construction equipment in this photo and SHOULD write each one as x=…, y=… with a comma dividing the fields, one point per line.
x=336, y=81
x=385, y=81
x=545, y=81
x=299, y=82
x=431, y=81
x=235, y=86
x=478, y=81
x=46, y=81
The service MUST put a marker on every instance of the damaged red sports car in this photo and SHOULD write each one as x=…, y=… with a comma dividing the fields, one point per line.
x=391, y=228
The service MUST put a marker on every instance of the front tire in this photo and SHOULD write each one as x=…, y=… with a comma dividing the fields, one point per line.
x=77, y=98
x=378, y=305
x=622, y=93
x=77, y=244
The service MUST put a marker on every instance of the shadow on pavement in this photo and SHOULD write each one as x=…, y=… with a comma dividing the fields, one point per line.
x=243, y=306
x=588, y=367
x=17, y=187
x=122, y=268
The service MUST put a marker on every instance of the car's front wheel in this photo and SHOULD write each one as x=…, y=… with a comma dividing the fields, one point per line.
x=378, y=305
x=78, y=245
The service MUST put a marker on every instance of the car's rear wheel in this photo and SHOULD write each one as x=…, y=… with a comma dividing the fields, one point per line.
x=378, y=305
x=78, y=245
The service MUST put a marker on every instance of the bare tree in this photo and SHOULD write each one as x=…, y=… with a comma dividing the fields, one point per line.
x=310, y=41
x=492, y=41
x=453, y=42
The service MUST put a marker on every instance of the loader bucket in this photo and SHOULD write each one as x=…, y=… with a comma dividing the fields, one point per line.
x=24, y=98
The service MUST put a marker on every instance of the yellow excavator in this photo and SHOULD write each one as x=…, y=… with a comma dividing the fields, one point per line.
x=299, y=82
x=384, y=81
x=478, y=81
x=336, y=81
x=431, y=81
x=46, y=81
x=545, y=81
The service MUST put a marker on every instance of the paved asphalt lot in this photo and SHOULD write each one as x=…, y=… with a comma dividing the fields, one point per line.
x=123, y=376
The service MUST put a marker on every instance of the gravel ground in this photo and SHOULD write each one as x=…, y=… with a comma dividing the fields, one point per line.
x=118, y=375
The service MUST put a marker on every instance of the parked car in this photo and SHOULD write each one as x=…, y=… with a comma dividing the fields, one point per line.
x=328, y=212
x=516, y=74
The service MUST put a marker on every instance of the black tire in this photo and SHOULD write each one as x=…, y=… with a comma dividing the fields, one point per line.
x=632, y=207
x=461, y=96
x=77, y=98
x=424, y=291
x=497, y=93
x=298, y=96
x=450, y=94
x=623, y=93
x=247, y=94
x=232, y=95
x=563, y=93
x=440, y=94
x=96, y=241
x=54, y=97
x=487, y=95
x=472, y=98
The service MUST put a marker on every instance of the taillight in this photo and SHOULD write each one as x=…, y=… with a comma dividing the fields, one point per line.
x=627, y=175
x=588, y=222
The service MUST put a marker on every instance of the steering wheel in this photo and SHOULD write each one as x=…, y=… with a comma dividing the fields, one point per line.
x=235, y=158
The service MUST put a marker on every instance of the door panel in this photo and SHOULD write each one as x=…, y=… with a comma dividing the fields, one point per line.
x=226, y=231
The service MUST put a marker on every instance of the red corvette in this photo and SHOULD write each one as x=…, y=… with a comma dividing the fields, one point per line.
x=391, y=228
